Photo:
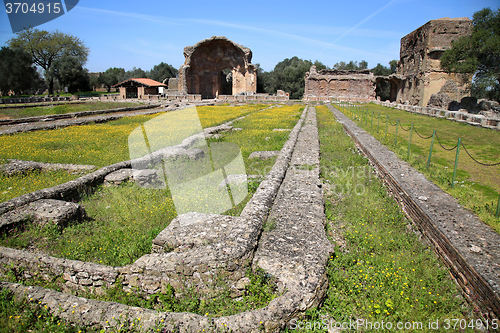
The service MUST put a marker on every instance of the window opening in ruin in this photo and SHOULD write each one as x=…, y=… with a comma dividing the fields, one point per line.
x=383, y=90
x=226, y=82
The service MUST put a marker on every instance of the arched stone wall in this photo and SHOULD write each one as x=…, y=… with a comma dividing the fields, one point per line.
x=201, y=71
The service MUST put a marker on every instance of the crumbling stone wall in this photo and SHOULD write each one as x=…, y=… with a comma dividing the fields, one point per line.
x=356, y=85
x=204, y=63
x=419, y=68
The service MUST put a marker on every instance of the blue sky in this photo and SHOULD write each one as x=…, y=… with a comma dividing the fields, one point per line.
x=126, y=33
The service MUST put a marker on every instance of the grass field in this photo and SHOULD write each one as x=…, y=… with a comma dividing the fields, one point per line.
x=477, y=187
x=119, y=232
x=380, y=270
x=93, y=144
x=12, y=113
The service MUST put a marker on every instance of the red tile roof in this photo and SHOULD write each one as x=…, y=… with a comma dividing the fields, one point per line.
x=143, y=81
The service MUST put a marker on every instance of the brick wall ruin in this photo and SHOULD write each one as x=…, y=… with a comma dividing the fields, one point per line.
x=339, y=84
x=204, y=69
x=420, y=64
x=419, y=73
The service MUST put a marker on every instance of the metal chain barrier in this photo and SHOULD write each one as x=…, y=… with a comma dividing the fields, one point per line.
x=434, y=135
x=425, y=138
x=444, y=146
x=430, y=136
x=406, y=130
x=485, y=164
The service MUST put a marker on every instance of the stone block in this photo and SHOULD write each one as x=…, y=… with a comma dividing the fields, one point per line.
x=119, y=176
x=44, y=211
x=85, y=282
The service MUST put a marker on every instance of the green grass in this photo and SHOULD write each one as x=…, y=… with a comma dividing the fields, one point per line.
x=477, y=187
x=10, y=113
x=92, y=144
x=117, y=232
x=380, y=269
x=19, y=184
x=25, y=316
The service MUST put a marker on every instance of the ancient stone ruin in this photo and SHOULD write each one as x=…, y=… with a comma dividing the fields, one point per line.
x=419, y=68
x=217, y=66
x=419, y=73
x=340, y=84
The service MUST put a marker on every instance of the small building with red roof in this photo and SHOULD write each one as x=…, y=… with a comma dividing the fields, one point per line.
x=139, y=88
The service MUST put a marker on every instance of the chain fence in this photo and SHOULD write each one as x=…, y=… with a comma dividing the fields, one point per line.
x=362, y=113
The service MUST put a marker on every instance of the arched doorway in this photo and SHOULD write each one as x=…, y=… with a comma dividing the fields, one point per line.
x=226, y=82
x=217, y=66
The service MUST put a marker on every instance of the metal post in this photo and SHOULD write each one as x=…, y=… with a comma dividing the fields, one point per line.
x=378, y=121
x=498, y=207
x=430, y=151
x=396, y=136
x=386, y=125
x=409, y=143
x=371, y=125
x=456, y=164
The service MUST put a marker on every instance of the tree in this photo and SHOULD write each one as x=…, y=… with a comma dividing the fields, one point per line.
x=17, y=72
x=288, y=75
x=70, y=73
x=478, y=54
x=111, y=77
x=264, y=80
x=319, y=65
x=46, y=48
x=94, y=81
x=383, y=88
x=161, y=72
x=352, y=65
x=394, y=65
x=380, y=70
x=135, y=73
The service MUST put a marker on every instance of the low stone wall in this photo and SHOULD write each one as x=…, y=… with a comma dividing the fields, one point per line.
x=461, y=117
x=33, y=99
x=197, y=98
x=73, y=115
x=69, y=191
x=469, y=248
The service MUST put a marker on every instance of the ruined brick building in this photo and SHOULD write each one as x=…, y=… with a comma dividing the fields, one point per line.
x=419, y=68
x=340, y=84
x=217, y=66
x=419, y=73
